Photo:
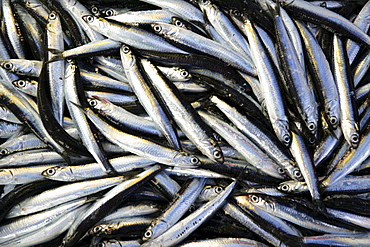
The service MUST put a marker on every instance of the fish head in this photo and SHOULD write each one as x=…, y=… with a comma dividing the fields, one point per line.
x=61, y=173
x=96, y=23
x=7, y=65
x=186, y=160
x=332, y=112
x=99, y=103
x=99, y=229
x=165, y=29
x=260, y=201
x=127, y=57
x=156, y=229
x=6, y=177
x=292, y=186
x=351, y=132
x=54, y=25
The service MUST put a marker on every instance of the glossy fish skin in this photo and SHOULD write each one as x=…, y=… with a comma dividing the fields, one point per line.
x=143, y=147
x=21, y=143
x=7, y=115
x=130, y=35
x=293, y=214
x=243, y=202
x=225, y=28
x=147, y=97
x=362, y=21
x=108, y=203
x=127, y=227
x=143, y=17
x=86, y=171
x=328, y=19
x=55, y=71
x=177, y=208
x=48, y=232
x=26, y=113
x=7, y=129
x=97, y=81
x=224, y=242
x=77, y=11
x=184, y=227
x=59, y=195
x=27, y=224
x=304, y=161
x=252, y=154
x=35, y=157
x=22, y=175
x=295, y=75
x=10, y=30
x=323, y=76
x=269, y=85
x=344, y=81
x=73, y=91
x=183, y=113
x=263, y=138
x=350, y=161
x=31, y=30
x=204, y=45
x=180, y=8
x=99, y=47
x=253, y=224
x=116, y=114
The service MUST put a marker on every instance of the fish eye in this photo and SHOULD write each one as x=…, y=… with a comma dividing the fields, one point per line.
x=100, y=245
x=333, y=120
x=178, y=23
x=50, y=172
x=21, y=83
x=286, y=138
x=97, y=229
x=93, y=102
x=204, y=1
x=218, y=189
x=89, y=18
x=284, y=187
x=184, y=73
x=217, y=154
x=297, y=174
x=109, y=12
x=52, y=16
x=355, y=138
x=280, y=170
x=126, y=49
x=8, y=66
x=95, y=10
x=323, y=4
x=4, y=151
x=157, y=28
x=255, y=198
x=311, y=126
x=236, y=12
x=194, y=160
x=148, y=234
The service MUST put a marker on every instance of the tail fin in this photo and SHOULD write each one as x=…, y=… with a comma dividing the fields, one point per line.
x=57, y=55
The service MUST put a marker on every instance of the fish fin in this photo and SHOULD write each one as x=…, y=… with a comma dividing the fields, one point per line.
x=56, y=55
x=274, y=9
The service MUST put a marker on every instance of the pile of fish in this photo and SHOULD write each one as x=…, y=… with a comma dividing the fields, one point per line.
x=184, y=123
